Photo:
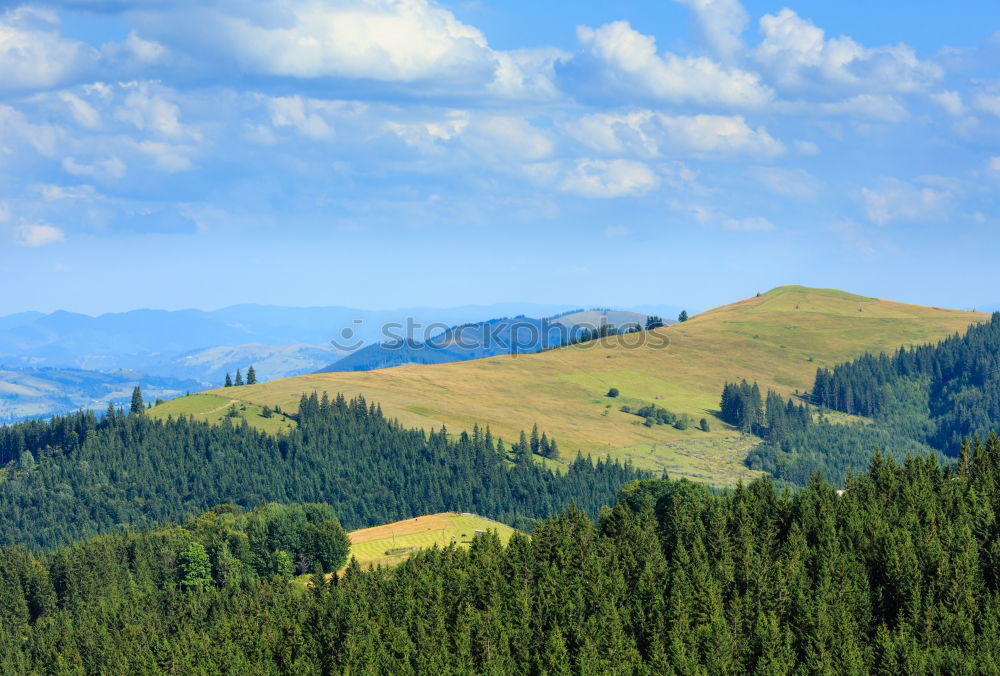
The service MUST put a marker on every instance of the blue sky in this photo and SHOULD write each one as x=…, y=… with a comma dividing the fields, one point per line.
x=387, y=154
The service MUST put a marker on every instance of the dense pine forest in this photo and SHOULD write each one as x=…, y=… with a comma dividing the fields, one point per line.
x=77, y=475
x=921, y=400
x=899, y=573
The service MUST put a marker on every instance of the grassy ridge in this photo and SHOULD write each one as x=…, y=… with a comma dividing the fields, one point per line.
x=778, y=338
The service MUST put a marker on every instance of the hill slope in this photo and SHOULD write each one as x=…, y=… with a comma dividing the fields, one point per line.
x=778, y=338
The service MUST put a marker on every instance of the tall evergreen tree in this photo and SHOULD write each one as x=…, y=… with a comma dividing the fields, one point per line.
x=239, y=378
x=251, y=376
x=683, y=316
x=229, y=381
x=137, y=407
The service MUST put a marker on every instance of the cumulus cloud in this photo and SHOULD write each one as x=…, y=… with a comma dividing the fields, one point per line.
x=648, y=133
x=895, y=200
x=386, y=40
x=613, y=178
x=722, y=23
x=798, y=55
x=38, y=235
x=33, y=54
x=626, y=60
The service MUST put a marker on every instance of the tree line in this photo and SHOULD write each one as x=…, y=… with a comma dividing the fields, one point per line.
x=959, y=375
x=79, y=475
x=899, y=573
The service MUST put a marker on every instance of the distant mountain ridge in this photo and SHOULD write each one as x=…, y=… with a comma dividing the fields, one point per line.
x=41, y=392
x=505, y=335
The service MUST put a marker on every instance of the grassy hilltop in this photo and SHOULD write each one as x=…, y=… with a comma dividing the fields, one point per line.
x=778, y=339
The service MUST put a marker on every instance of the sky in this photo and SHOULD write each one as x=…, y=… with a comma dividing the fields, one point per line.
x=382, y=154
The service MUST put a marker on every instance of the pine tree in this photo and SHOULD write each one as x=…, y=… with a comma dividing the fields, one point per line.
x=137, y=407
x=229, y=381
x=251, y=376
x=683, y=316
x=535, y=442
x=239, y=378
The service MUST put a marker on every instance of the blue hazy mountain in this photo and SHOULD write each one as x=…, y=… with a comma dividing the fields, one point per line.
x=516, y=335
x=41, y=392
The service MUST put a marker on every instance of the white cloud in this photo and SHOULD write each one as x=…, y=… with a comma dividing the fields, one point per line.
x=527, y=72
x=989, y=103
x=616, y=231
x=387, y=40
x=302, y=114
x=797, y=183
x=720, y=134
x=614, y=178
x=646, y=133
x=806, y=148
x=799, y=56
x=109, y=168
x=51, y=193
x=722, y=22
x=950, y=101
x=627, y=59
x=895, y=200
x=15, y=128
x=38, y=235
x=710, y=217
x=993, y=165
x=506, y=136
x=34, y=56
x=167, y=157
x=146, y=51
x=82, y=112
x=428, y=135
x=876, y=107
x=4, y=212
x=150, y=112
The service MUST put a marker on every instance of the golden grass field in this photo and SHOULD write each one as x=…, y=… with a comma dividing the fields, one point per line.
x=778, y=339
x=395, y=542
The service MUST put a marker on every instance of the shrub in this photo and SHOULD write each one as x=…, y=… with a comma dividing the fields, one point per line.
x=613, y=392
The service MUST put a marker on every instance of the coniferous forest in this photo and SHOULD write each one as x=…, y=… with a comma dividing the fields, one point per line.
x=76, y=476
x=921, y=400
x=899, y=573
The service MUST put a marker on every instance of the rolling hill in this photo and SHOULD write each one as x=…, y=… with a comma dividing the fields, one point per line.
x=778, y=339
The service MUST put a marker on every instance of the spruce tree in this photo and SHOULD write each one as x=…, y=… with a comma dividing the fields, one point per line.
x=683, y=316
x=137, y=407
x=239, y=378
x=535, y=443
x=229, y=381
x=251, y=376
